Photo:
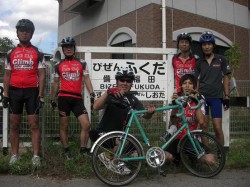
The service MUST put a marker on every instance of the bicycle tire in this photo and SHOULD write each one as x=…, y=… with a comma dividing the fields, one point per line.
x=106, y=145
x=211, y=163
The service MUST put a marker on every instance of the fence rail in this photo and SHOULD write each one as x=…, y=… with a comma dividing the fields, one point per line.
x=239, y=116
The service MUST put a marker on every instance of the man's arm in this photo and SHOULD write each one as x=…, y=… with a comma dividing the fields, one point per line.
x=151, y=111
x=226, y=86
x=100, y=102
x=198, y=86
x=88, y=83
x=6, y=82
x=41, y=77
x=55, y=87
x=199, y=116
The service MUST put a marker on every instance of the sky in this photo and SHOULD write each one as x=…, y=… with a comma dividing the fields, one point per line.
x=44, y=15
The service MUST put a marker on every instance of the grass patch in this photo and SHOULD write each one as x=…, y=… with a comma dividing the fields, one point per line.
x=55, y=165
x=238, y=156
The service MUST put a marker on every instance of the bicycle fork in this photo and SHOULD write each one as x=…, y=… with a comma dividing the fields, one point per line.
x=196, y=145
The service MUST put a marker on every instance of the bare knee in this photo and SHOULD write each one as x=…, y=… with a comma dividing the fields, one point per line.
x=169, y=156
x=86, y=127
x=14, y=127
x=64, y=127
x=34, y=126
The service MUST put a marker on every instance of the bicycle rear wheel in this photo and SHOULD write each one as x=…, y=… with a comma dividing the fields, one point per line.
x=208, y=165
x=108, y=167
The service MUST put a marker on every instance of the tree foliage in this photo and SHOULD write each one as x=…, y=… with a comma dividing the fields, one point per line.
x=6, y=44
x=234, y=55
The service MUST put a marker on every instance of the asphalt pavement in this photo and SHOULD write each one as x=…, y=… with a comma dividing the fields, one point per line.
x=227, y=178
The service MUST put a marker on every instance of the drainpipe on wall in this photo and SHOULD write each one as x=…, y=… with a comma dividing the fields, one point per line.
x=164, y=57
x=164, y=28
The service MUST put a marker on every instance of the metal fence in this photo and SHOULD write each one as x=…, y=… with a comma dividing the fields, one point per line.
x=239, y=116
x=49, y=120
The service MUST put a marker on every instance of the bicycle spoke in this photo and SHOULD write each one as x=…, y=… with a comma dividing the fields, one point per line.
x=210, y=163
x=109, y=167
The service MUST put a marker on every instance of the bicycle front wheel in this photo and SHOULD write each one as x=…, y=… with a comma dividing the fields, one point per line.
x=210, y=163
x=108, y=167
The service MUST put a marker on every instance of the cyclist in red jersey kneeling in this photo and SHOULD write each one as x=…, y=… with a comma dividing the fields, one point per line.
x=195, y=118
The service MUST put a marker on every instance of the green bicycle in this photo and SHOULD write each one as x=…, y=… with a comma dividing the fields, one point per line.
x=117, y=156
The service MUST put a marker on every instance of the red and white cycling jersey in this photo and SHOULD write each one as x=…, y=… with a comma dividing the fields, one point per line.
x=24, y=63
x=181, y=68
x=71, y=74
x=191, y=119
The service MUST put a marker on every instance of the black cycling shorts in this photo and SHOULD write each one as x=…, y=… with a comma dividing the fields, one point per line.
x=20, y=96
x=68, y=104
x=172, y=148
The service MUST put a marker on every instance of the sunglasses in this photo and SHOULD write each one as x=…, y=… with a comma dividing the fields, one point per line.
x=68, y=46
x=126, y=80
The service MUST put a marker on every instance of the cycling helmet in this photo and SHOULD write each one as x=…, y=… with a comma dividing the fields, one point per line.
x=68, y=41
x=125, y=73
x=184, y=36
x=207, y=36
x=25, y=23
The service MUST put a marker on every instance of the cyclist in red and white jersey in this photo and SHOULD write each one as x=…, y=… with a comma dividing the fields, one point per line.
x=195, y=118
x=183, y=62
x=68, y=84
x=24, y=80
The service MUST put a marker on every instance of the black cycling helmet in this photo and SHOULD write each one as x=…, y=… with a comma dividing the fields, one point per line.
x=26, y=24
x=184, y=36
x=125, y=73
x=68, y=41
x=190, y=77
x=207, y=36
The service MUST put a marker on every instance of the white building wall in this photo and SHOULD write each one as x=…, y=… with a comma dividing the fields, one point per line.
x=221, y=10
x=187, y=5
x=225, y=11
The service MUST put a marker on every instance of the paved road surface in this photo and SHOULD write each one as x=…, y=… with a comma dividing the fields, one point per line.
x=234, y=178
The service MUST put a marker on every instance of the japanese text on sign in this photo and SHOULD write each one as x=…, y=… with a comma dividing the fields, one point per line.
x=150, y=76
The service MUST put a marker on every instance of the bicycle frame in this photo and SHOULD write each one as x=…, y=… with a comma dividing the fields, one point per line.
x=117, y=156
x=134, y=117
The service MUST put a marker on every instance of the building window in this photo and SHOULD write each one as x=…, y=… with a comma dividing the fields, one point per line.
x=120, y=55
x=122, y=37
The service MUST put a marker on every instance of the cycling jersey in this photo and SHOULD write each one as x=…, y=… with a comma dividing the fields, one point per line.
x=71, y=74
x=114, y=117
x=191, y=119
x=181, y=68
x=24, y=63
x=210, y=76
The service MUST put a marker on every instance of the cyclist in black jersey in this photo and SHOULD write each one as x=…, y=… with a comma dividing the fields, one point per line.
x=114, y=117
x=115, y=103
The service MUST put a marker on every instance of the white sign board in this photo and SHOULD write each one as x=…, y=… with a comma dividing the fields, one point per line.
x=150, y=76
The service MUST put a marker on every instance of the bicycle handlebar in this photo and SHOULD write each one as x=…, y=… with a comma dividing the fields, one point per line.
x=182, y=101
